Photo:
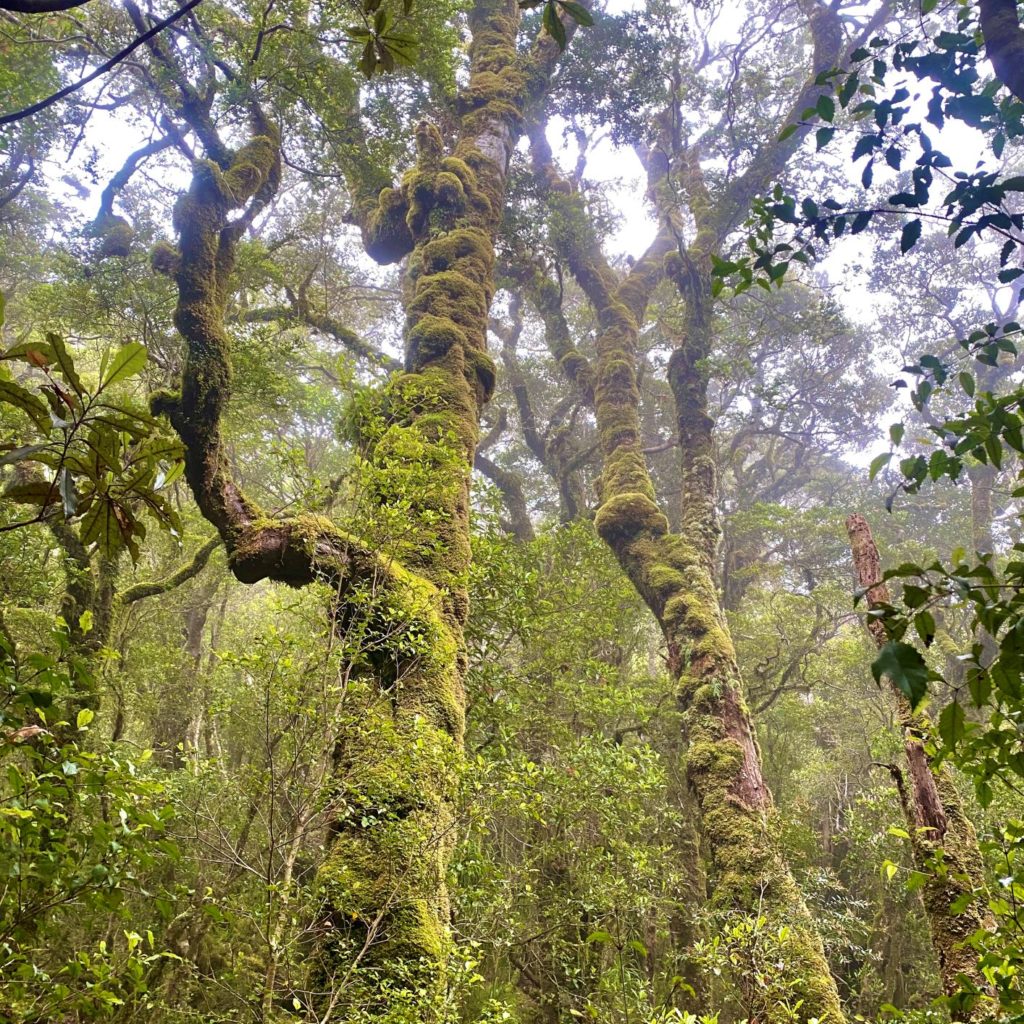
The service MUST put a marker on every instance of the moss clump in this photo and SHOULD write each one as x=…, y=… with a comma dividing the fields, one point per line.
x=673, y=265
x=386, y=235
x=457, y=166
x=164, y=403
x=626, y=472
x=470, y=249
x=576, y=367
x=455, y=296
x=165, y=258
x=448, y=190
x=116, y=236
x=628, y=515
x=430, y=338
x=666, y=579
x=485, y=87
x=677, y=552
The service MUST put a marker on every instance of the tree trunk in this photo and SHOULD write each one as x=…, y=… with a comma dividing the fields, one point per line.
x=942, y=839
x=384, y=922
x=674, y=575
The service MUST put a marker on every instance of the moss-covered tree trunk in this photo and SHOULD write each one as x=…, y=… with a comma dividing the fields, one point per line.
x=675, y=575
x=942, y=839
x=383, y=926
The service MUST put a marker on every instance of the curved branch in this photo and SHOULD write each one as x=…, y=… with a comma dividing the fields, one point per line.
x=202, y=268
x=324, y=324
x=187, y=572
x=493, y=435
x=40, y=6
x=106, y=66
x=770, y=161
x=511, y=488
x=128, y=168
x=18, y=187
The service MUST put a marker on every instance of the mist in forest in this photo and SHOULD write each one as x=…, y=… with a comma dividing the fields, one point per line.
x=510, y=511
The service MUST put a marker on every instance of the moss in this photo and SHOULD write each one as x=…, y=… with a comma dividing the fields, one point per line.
x=116, y=236
x=429, y=143
x=443, y=701
x=431, y=337
x=165, y=258
x=673, y=265
x=470, y=248
x=496, y=108
x=629, y=514
x=625, y=471
x=448, y=190
x=444, y=216
x=574, y=365
x=453, y=295
x=386, y=234
x=677, y=552
x=455, y=165
x=697, y=625
x=164, y=402
x=252, y=165
x=483, y=373
x=485, y=198
x=487, y=86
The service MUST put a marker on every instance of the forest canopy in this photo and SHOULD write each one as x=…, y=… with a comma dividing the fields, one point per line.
x=510, y=511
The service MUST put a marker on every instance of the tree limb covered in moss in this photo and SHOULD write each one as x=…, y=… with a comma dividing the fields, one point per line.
x=295, y=551
x=190, y=570
x=675, y=577
x=301, y=313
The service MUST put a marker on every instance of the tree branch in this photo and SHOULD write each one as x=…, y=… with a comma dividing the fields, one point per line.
x=106, y=66
x=40, y=6
x=1004, y=42
x=183, y=575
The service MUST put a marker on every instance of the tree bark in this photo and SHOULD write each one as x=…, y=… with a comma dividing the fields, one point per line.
x=383, y=930
x=1004, y=42
x=942, y=839
x=673, y=573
